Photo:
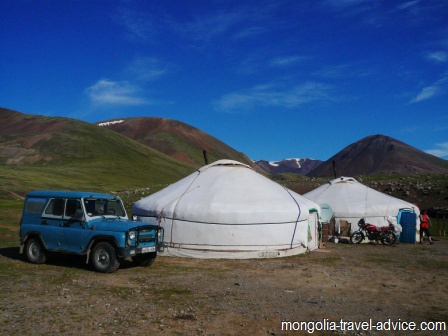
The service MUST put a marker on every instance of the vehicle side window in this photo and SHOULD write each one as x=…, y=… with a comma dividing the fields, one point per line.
x=55, y=207
x=71, y=207
x=35, y=206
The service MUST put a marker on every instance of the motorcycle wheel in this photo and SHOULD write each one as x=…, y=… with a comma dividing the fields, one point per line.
x=389, y=238
x=356, y=237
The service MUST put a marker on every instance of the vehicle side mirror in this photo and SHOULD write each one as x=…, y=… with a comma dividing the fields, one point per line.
x=79, y=213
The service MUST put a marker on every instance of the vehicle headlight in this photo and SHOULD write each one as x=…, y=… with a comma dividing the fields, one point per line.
x=160, y=235
x=132, y=235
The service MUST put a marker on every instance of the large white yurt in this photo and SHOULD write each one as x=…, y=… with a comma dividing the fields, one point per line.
x=227, y=210
x=351, y=200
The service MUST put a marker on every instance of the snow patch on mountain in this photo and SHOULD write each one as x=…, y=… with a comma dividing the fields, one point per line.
x=108, y=123
x=291, y=165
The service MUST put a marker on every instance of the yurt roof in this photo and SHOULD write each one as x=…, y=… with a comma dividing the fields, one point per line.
x=350, y=198
x=226, y=192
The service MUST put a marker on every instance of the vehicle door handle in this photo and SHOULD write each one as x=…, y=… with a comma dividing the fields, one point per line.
x=44, y=222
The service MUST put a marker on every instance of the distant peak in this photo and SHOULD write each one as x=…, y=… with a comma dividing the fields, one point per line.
x=290, y=165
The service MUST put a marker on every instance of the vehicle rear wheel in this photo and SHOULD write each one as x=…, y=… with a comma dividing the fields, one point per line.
x=145, y=260
x=34, y=251
x=389, y=238
x=104, y=258
x=356, y=237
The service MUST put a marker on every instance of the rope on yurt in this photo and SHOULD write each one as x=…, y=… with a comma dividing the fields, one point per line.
x=174, y=210
x=365, y=203
x=297, y=220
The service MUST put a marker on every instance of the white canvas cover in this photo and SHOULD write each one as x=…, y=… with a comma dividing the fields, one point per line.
x=227, y=210
x=351, y=201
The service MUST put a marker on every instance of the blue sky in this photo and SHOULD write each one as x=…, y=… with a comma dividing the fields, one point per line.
x=273, y=79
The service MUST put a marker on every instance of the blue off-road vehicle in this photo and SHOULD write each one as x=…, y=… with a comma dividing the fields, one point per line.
x=85, y=223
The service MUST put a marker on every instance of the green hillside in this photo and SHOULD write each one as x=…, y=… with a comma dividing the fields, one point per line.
x=39, y=152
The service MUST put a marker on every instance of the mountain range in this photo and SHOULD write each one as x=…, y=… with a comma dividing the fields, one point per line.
x=187, y=143
x=375, y=154
x=54, y=152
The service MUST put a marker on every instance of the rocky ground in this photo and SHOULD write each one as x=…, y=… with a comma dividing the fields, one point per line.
x=177, y=296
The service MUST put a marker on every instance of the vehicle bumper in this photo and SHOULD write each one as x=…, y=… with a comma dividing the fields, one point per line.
x=133, y=251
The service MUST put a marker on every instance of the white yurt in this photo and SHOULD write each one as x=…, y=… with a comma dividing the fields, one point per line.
x=227, y=210
x=351, y=200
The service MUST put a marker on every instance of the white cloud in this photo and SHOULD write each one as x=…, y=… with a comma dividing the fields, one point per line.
x=146, y=69
x=426, y=93
x=441, y=152
x=107, y=92
x=336, y=71
x=138, y=26
x=367, y=10
x=431, y=91
x=408, y=4
x=269, y=96
x=208, y=27
x=127, y=92
x=438, y=56
x=249, y=32
x=236, y=22
x=343, y=3
x=287, y=61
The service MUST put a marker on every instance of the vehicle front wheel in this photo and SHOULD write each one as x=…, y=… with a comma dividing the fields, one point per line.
x=356, y=237
x=144, y=260
x=104, y=259
x=34, y=251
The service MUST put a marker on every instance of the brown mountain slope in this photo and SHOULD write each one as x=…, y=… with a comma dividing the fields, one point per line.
x=55, y=152
x=175, y=138
x=379, y=154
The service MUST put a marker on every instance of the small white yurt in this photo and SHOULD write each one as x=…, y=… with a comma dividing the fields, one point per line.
x=350, y=201
x=227, y=210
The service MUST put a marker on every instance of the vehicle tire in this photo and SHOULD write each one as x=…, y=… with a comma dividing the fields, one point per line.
x=356, y=237
x=389, y=238
x=104, y=258
x=144, y=260
x=34, y=251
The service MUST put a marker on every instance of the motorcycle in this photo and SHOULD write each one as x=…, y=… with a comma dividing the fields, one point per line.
x=385, y=234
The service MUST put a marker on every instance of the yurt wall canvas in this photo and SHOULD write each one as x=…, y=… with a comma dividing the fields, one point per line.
x=351, y=201
x=227, y=210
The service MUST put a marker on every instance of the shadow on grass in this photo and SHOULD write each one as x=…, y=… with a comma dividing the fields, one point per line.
x=79, y=261
x=10, y=252
x=60, y=259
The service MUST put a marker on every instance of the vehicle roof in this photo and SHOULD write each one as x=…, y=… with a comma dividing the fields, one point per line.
x=68, y=194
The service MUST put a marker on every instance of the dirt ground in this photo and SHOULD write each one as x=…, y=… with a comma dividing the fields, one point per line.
x=177, y=296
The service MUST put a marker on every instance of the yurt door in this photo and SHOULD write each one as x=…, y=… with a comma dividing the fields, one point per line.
x=312, y=234
x=408, y=221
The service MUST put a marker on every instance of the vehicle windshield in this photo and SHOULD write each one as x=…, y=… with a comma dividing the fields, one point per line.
x=103, y=207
